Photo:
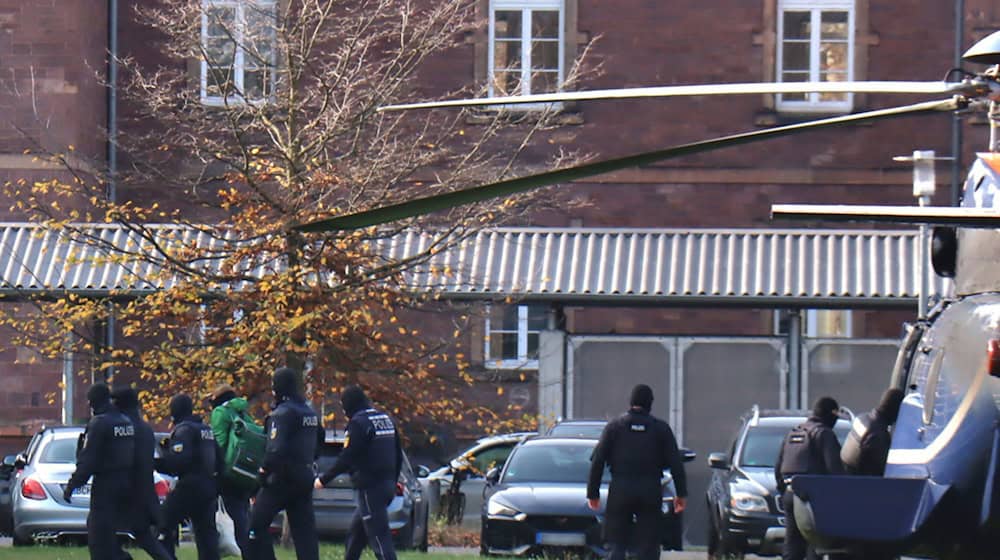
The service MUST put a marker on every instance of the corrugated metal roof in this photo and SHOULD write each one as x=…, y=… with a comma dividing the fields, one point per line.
x=667, y=266
x=756, y=267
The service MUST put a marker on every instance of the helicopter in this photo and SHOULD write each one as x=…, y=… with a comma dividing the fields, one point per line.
x=942, y=481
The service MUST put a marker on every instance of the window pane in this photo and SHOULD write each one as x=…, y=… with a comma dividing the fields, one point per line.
x=797, y=25
x=834, y=25
x=220, y=21
x=507, y=25
x=507, y=55
x=503, y=346
x=255, y=84
x=532, y=346
x=545, y=24
x=833, y=58
x=545, y=55
x=544, y=82
x=506, y=83
x=537, y=318
x=218, y=80
x=795, y=56
x=795, y=77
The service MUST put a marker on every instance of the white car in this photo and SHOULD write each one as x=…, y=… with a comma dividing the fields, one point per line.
x=39, y=510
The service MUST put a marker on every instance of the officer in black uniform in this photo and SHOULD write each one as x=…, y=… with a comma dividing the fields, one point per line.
x=373, y=456
x=288, y=471
x=636, y=446
x=867, y=446
x=144, y=515
x=810, y=448
x=190, y=455
x=106, y=456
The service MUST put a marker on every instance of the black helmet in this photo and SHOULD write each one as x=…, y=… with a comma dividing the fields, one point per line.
x=125, y=398
x=827, y=410
x=286, y=383
x=353, y=399
x=99, y=396
x=181, y=407
x=642, y=397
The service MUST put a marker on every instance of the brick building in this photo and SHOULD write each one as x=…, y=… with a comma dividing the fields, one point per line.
x=53, y=58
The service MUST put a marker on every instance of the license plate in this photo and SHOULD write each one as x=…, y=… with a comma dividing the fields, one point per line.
x=561, y=539
x=83, y=491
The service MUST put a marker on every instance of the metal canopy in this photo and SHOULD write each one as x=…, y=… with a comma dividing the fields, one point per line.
x=574, y=266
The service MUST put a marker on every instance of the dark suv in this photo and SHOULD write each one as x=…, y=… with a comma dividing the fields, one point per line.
x=744, y=512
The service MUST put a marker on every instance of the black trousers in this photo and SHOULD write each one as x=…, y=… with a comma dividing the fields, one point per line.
x=110, y=495
x=193, y=498
x=237, y=504
x=796, y=547
x=639, y=500
x=370, y=524
x=294, y=495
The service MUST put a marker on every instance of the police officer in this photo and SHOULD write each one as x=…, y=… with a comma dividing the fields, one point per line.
x=867, y=446
x=373, y=456
x=190, y=455
x=144, y=514
x=636, y=446
x=810, y=448
x=106, y=456
x=287, y=472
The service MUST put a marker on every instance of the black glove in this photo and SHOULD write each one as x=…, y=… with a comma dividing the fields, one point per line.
x=68, y=494
x=262, y=478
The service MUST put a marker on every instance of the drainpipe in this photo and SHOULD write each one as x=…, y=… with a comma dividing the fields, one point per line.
x=956, y=120
x=794, y=358
x=112, y=153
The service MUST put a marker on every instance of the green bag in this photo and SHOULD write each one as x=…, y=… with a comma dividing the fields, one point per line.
x=244, y=453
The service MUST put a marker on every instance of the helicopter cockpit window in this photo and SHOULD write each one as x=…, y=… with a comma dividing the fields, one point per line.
x=815, y=45
x=526, y=50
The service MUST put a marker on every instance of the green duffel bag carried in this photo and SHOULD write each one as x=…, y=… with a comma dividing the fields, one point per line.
x=244, y=453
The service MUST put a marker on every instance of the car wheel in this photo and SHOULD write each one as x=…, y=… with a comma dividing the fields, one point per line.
x=425, y=542
x=406, y=536
x=718, y=548
x=483, y=549
x=21, y=541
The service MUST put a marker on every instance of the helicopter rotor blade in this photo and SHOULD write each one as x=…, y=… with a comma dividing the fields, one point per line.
x=967, y=87
x=508, y=187
x=937, y=215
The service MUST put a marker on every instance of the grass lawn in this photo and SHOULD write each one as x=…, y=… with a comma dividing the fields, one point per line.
x=326, y=552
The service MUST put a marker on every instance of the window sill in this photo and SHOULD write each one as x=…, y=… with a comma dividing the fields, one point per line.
x=565, y=114
x=511, y=365
x=770, y=117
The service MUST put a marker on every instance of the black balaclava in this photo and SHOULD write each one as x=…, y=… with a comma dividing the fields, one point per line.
x=888, y=407
x=353, y=399
x=126, y=399
x=642, y=397
x=99, y=397
x=285, y=384
x=826, y=409
x=181, y=408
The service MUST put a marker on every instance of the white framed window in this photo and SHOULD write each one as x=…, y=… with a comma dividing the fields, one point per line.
x=815, y=44
x=819, y=323
x=526, y=47
x=512, y=334
x=237, y=39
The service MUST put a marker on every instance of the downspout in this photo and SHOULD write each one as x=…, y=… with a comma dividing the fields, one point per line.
x=956, y=120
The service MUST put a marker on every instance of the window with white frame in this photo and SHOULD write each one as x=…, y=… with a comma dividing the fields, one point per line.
x=815, y=44
x=237, y=39
x=526, y=47
x=512, y=334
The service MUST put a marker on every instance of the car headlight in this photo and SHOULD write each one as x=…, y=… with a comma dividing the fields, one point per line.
x=495, y=508
x=745, y=501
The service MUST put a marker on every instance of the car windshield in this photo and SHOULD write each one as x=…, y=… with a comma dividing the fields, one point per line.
x=551, y=463
x=571, y=429
x=764, y=442
x=60, y=451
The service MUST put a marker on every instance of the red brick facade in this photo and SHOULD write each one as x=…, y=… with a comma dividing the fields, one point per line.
x=51, y=52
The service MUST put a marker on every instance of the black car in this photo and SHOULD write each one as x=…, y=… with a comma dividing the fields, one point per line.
x=537, y=503
x=7, y=471
x=745, y=514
